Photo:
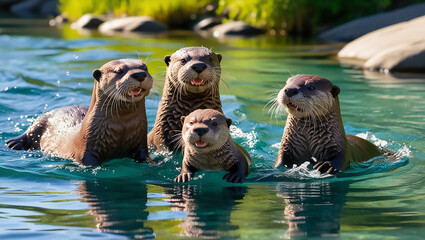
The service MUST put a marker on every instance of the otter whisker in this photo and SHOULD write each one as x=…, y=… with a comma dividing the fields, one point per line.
x=109, y=93
x=177, y=141
x=109, y=99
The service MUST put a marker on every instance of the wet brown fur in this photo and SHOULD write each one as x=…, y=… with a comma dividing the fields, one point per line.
x=114, y=125
x=221, y=153
x=314, y=131
x=179, y=98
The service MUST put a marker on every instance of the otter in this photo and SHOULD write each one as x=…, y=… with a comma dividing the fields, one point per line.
x=314, y=130
x=192, y=82
x=208, y=146
x=114, y=125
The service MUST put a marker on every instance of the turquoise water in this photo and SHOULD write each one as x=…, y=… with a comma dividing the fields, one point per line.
x=44, y=197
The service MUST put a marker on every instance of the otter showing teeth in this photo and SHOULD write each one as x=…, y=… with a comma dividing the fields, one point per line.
x=191, y=82
x=114, y=125
x=216, y=150
x=201, y=144
x=197, y=82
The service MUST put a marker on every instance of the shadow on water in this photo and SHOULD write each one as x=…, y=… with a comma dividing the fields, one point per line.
x=208, y=208
x=116, y=208
x=312, y=209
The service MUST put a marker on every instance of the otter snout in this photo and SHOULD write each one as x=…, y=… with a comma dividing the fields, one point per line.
x=139, y=76
x=201, y=131
x=291, y=92
x=199, y=67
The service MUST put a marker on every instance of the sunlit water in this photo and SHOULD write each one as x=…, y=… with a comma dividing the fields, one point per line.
x=44, y=197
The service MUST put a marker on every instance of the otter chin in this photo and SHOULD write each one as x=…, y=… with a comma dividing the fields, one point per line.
x=114, y=125
x=208, y=145
x=314, y=131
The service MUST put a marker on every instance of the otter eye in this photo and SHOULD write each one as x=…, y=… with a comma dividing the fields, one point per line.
x=183, y=61
x=119, y=71
x=214, y=124
x=211, y=59
x=311, y=88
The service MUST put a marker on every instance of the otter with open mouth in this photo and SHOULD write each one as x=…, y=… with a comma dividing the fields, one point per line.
x=192, y=82
x=114, y=125
x=314, y=131
x=208, y=146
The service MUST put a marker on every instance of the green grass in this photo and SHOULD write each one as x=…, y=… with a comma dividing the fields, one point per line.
x=299, y=16
x=277, y=16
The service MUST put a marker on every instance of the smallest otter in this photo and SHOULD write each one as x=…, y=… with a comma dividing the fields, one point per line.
x=208, y=145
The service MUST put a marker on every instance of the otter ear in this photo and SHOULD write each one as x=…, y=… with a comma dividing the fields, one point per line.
x=182, y=118
x=229, y=122
x=219, y=57
x=96, y=74
x=167, y=59
x=335, y=91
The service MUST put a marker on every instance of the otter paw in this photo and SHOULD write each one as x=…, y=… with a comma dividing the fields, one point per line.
x=325, y=167
x=17, y=143
x=142, y=156
x=183, y=177
x=90, y=161
x=234, y=177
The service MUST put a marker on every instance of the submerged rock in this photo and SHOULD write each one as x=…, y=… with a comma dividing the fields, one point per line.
x=132, y=24
x=400, y=47
x=359, y=27
x=88, y=21
x=236, y=28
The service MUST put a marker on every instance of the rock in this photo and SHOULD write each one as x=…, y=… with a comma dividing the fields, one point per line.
x=132, y=24
x=7, y=3
x=28, y=8
x=49, y=8
x=58, y=20
x=88, y=21
x=34, y=8
x=400, y=47
x=208, y=23
x=401, y=58
x=357, y=28
x=236, y=28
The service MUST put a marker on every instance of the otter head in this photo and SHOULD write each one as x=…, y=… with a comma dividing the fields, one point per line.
x=308, y=96
x=125, y=80
x=205, y=130
x=194, y=69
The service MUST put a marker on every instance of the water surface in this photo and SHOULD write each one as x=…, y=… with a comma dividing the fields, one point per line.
x=47, y=197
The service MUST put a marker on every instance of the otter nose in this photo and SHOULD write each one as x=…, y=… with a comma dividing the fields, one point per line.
x=201, y=131
x=139, y=76
x=291, y=92
x=199, y=67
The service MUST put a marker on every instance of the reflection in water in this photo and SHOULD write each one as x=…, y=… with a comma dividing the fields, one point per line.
x=208, y=209
x=118, y=208
x=312, y=208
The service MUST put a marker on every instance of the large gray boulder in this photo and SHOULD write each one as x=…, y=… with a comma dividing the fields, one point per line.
x=235, y=28
x=396, y=48
x=132, y=24
x=359, y=27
